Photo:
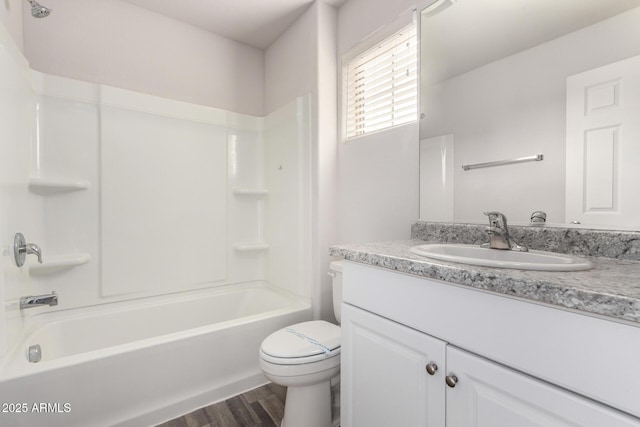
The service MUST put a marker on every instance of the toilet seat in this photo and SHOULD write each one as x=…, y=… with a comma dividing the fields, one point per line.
x=302, y=343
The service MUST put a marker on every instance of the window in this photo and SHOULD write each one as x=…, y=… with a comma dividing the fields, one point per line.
x=382, y=85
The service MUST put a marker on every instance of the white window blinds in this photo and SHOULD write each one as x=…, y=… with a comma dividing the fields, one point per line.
x=382, y=85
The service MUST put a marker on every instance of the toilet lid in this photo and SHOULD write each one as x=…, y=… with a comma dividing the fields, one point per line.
x=303, y=340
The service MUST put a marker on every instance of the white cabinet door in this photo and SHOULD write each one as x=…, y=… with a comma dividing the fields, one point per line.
x=491, y=395
x=603, y=145
x=383, y=374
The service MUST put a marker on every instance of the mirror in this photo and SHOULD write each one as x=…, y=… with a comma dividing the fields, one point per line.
x=544, y=82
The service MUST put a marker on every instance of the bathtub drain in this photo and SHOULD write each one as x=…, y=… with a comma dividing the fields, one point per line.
x=34, y=354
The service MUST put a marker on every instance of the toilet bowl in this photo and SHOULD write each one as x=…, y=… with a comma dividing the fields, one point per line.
x=305, y=357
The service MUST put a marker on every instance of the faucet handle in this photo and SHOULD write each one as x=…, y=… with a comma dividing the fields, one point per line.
x=497, y=219
x=34, y=249
x=538, y=218
x=21, y=249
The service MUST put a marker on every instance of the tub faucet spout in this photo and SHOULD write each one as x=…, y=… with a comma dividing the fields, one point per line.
x=39, y=300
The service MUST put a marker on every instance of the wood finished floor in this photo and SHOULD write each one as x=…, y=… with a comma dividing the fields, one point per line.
x=263, y=406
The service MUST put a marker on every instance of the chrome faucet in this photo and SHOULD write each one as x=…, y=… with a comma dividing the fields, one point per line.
x=39, y=300
x=21, y=249
x=499, y=237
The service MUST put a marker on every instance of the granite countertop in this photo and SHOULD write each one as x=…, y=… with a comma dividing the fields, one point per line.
x=611, y=288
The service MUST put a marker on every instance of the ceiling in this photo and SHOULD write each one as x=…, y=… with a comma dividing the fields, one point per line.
x=254, y=22
x=470, y=33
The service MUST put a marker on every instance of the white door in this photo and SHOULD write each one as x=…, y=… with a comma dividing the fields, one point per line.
x=603, y=145
x=490, y=395
x=384, y=374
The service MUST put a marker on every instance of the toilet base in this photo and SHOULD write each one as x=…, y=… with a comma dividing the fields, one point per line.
x=308, y=406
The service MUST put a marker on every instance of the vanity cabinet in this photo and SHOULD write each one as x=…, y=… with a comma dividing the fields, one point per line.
x=488, y=394
x=500, y=361
x=384, y=378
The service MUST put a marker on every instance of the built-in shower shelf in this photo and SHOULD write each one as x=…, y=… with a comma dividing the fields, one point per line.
x=56, y=263
x=238, y=191
x=251, y=246
x=53, y=185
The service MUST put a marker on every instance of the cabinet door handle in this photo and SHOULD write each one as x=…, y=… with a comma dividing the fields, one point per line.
x=432, y=368
x=451, y=380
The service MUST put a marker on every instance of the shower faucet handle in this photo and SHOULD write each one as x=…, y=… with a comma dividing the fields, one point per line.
x=21, y=249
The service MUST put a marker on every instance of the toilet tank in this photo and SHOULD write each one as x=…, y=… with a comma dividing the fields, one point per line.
x=335, y=271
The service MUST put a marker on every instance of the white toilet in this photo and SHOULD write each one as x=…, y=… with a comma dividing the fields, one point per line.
x=305, y=357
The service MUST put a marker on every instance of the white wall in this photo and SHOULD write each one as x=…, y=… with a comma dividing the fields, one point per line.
x=11, y=18
x=118, y=44
x=301, y=61
x=359, y=19
x=326, y=156
x=516, y=107
x=378, y=174
x=290, y=65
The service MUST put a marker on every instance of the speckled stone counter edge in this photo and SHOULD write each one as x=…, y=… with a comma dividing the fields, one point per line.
x=611, y=289
x=575, y=241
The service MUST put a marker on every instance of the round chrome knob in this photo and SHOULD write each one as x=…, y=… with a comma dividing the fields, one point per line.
x=451, y=380
x=432, y=368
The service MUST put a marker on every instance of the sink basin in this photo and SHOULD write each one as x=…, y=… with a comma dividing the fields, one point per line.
x=476, y=255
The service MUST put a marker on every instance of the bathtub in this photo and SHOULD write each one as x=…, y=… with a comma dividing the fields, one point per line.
x=140, y=363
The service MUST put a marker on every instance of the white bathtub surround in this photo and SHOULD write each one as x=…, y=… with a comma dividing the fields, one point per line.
x=131, y=198
x=163, y=180
x=18, y=211
x=147, y=189
x=141, y=362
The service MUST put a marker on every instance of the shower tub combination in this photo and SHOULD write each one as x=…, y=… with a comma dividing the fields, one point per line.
x=141, y=362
